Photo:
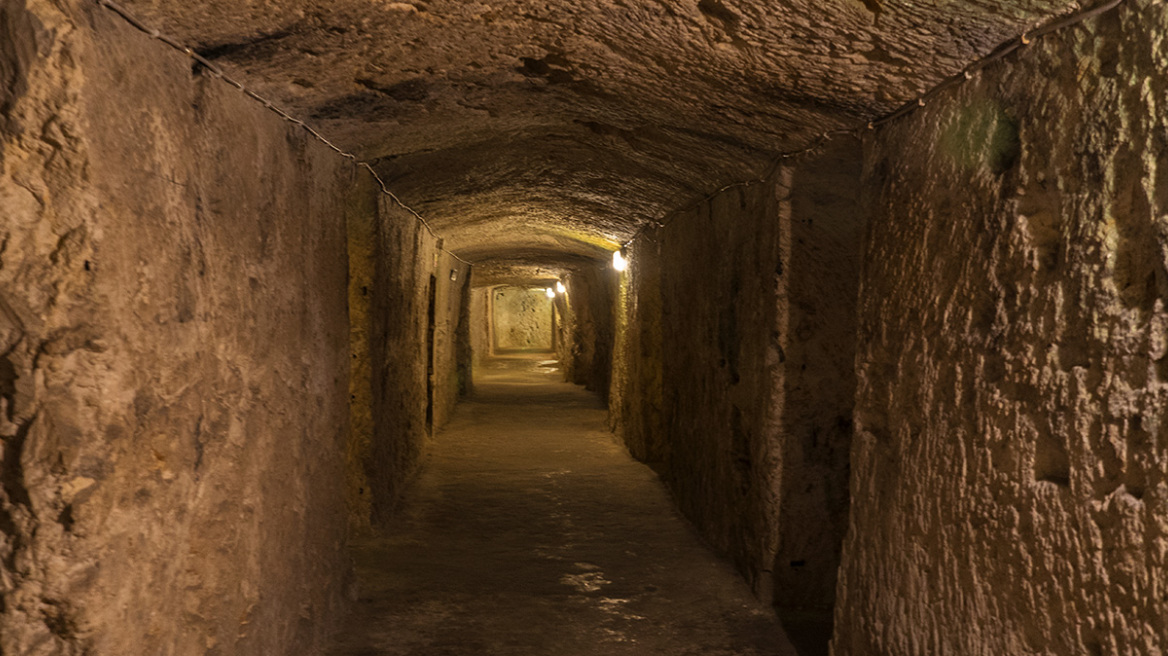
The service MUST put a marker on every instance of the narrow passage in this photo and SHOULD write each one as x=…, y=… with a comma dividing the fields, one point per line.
x=530, y=531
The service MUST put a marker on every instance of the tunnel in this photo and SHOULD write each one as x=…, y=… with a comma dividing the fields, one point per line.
x=518, y=327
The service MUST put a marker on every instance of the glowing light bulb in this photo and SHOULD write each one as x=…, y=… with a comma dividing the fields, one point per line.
x=560, y=289
x=551, y=292
x=619, y=262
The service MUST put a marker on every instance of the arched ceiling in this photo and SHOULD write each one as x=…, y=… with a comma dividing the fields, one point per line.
x=521, y=128
x=490, y=273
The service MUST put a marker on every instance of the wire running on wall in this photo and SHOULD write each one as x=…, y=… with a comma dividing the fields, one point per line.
x=215, y=71
x=966, y=74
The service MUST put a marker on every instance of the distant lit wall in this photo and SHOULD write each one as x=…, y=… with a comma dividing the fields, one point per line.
x=522, y=319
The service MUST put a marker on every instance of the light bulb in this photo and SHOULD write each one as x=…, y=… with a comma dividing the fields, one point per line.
x=560, y=287
x=619, y=262
x=551, y=292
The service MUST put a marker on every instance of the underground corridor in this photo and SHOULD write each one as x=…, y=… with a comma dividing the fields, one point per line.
x=517, y=327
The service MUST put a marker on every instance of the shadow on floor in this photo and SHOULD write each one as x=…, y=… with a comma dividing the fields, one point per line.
x=809, y=630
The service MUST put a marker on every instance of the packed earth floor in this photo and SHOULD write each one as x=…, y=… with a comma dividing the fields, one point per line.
x=531, y=531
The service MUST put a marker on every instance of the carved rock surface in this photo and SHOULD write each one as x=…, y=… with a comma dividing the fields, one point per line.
x=1010, y=468
x=732, y=371
x=173, y=355
x=526, y=127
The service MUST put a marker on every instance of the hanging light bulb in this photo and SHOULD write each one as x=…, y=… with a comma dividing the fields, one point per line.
x=551, y=292
x=618, y=261
x=560, y=289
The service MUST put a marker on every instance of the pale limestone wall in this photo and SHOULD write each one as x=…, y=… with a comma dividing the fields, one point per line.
x=521, y=319
x=566, y=336
x=396, y=400
x=562, y=330
x=174, y=347
x=1010, y=472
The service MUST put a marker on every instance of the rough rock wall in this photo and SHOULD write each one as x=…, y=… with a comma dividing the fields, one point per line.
x=822, y=237
x=1010, y=481
x=361, y=227
x=450, y=358
x=590, y=315
x=521, y=319
x=713, y=273
x=414, y=315
x=562, y=337
x=463, y=353
x=480, y=324
x=732, y=370
x=173, y=354
x=565, y=306
x=400, y=389
x=636, y=403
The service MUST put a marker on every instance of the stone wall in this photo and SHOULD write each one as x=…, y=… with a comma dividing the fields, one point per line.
x=521, y=319
x=451, y=358
x=822, y=241
x=463, y=339
x=362, y=246
x=636, y=404
x=588, y=316
x=562, y=338
x=718, y=434
x=480, y=324
x=413, y=350
x=733, y=370
x=1009, y=470
x=174, y=347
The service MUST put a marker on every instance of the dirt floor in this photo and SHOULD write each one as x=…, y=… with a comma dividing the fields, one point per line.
x=531, y=531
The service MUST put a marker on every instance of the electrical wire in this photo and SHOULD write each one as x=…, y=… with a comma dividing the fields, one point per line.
x=217, y=72
x=1001, y=52
x=997, y=54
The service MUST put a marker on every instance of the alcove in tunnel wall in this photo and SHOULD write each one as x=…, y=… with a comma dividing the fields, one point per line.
x=1009, y=485
x=733, y=369
x=174, y=339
